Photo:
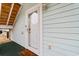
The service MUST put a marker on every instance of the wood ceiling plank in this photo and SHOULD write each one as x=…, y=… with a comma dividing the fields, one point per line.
x=5, y=8
x=4, y=17
x=11, y=24
x=4, y=23
x=11, y=21
x=12, y=16
x=9, y=13
x=2, y=20
x=4, y=14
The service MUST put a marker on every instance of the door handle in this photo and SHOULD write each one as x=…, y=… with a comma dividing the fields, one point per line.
x=29, y=30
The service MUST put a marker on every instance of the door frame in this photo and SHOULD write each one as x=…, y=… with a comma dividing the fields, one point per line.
x=30, y=10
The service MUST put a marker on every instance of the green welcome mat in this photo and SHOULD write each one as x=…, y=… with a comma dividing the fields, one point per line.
x=10, y=49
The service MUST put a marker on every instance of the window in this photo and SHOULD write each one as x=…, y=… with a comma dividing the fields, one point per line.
x=34, y=18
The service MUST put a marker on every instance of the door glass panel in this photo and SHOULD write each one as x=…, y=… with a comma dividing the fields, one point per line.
x=34, y=18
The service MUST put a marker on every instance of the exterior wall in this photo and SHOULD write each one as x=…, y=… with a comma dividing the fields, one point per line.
x=61, y=29
x=19, y=33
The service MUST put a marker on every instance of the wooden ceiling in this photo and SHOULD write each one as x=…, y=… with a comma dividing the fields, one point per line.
x=9, y=12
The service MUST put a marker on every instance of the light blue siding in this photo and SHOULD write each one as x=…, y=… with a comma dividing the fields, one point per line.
x=61, y=29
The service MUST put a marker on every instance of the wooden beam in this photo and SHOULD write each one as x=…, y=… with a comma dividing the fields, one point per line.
x=10, y=14
x=0, y=9
x=17, y=15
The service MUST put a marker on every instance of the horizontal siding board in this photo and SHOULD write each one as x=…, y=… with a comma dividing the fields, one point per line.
x=72, y=36
x=57, y=37
x=63, y=18
x=65, y=25
x=64, y=30
x=63, y=22
x=74, y=18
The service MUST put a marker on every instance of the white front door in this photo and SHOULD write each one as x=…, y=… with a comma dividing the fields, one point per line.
x=34, y=29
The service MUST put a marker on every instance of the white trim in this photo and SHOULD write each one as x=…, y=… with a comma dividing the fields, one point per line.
x=41, y=40
x=10, y=14
x=6, y=30
x=17, y=15
x=6, y=26
x=36, y=7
